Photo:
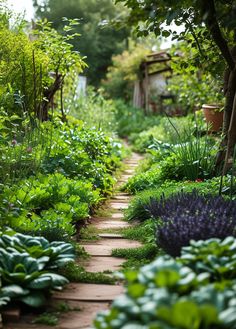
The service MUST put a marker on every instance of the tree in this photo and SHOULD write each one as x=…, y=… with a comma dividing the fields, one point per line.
x=98, y=41
x=212, y=23
x=27, y=85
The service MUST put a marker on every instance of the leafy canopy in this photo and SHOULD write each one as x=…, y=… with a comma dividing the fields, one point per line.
x=98, y=40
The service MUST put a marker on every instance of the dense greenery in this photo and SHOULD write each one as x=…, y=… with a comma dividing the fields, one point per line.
x=59, y=150
x=193, y=291
x=98, y=41
x=55, y=169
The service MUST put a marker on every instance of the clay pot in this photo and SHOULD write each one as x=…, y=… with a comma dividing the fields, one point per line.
x=213, y=116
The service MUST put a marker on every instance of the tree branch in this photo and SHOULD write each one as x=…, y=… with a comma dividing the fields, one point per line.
x=208, y=10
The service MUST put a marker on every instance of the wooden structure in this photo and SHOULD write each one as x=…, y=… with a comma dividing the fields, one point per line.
x=152, y=79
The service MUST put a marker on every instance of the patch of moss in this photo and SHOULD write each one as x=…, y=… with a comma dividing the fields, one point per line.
x=49, y=319
x=89, y=233
x=144, y=232
x=76, y=273
x=81, y=252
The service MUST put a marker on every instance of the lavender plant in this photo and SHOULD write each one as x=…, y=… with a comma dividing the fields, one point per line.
x=189, y=216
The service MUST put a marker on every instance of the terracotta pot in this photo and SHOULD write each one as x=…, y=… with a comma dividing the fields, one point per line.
x=213, y=116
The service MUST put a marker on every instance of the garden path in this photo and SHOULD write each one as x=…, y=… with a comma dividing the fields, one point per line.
x=87, y=299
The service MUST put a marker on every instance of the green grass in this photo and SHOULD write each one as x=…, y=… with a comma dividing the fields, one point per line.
x=144, y=232
x=76, y=273
x=137, y=257
x=148, y=251
x=81, y=252
x=89, y=233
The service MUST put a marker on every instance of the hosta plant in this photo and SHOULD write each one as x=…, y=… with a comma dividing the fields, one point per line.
x=190, y=216
x=27, y=266
x=51, y=255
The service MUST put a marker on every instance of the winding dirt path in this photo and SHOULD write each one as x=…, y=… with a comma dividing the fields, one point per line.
x=87, y=299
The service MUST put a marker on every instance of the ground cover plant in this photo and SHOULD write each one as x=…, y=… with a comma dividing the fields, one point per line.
x=77, y=174
x=181, y=293
x=137, y=209
x=186, y=152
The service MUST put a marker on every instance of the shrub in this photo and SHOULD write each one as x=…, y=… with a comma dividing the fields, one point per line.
x=83, y=153
x=53, y=201
x=131, y=121
x=137, y=207
x=190, y=216
x=168, y=295
x=93, y=109
x=143, y=181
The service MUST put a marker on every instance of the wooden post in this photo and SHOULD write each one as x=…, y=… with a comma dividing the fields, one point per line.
x=146, y=88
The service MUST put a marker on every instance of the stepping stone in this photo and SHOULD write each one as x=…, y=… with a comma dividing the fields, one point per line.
x=89, y=292
x=11, y=314
x=119, y=205
x=111, y=224
x=125, y=177
x=104, y=247
x=128, y=171
x=132, y=163
x=123, y=194
x=82, y=319
x=81, y=316
x=118, y=215
x=101, y=264
x=121, y=198
x=110, y=236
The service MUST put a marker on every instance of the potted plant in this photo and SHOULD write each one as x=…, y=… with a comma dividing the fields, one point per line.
x=214, y=116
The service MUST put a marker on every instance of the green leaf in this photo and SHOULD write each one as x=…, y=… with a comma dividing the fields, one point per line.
x=35, y=299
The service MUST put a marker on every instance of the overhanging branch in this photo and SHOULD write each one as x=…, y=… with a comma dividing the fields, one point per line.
x=209, y=11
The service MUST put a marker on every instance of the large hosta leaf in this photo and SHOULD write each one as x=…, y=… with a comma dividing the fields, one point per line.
x=14, y=290
x=34, y=299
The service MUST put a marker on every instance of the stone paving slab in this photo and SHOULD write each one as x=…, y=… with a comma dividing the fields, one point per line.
x=128, y=171
x=118, y=215
x=121, y=198
x=81, y=316
x=89, y=292
x=125, y=177
x=84, y=318
x=119, y=205
x=101, y=264
x=103, y=225
x=104, y=247
x=123, y=194
x=110, y=236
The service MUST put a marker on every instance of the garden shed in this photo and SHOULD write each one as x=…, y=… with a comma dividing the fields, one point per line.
x=151, y=89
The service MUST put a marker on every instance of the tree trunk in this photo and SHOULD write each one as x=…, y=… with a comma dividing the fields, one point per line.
x=231, y=140
x=228, y=142
x=42, y=112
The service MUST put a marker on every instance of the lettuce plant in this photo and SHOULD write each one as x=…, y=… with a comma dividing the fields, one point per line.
x=180, y=293
x=183, y=217
x=213, y=255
